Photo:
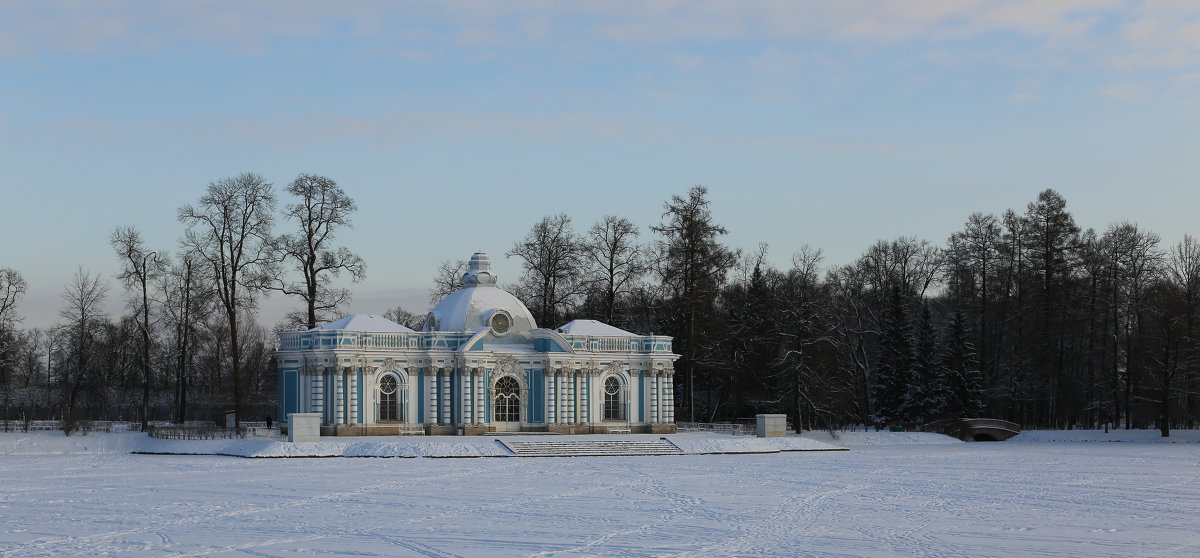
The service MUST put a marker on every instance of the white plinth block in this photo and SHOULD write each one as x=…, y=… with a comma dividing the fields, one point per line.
x=304, y=427
x=771, y=426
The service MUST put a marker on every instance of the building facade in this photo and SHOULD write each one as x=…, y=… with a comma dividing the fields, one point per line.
x=480, y=364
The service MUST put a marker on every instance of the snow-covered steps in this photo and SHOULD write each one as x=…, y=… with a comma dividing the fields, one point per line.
x=587, y=448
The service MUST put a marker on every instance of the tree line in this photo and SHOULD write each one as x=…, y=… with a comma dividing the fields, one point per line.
x=1020, y=315
x=188, y=346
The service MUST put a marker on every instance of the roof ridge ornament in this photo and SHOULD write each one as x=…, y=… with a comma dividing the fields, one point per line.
x=479, y=272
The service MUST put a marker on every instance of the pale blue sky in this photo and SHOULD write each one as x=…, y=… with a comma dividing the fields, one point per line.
x=457, y=125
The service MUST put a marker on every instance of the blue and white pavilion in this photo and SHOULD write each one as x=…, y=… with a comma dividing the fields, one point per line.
x=480, y=364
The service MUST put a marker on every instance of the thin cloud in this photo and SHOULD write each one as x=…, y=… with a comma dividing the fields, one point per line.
x=383, y=129
x=1128, y=91
x=47, y=25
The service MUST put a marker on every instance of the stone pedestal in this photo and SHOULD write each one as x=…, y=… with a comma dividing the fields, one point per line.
x=771, y=426
x=304, y=427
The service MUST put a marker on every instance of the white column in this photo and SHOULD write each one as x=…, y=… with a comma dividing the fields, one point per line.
x=339, y=395
x=557, y=397
x=546, y=382
x=563, y=411
x=318, y=392
x=464, y=397
x=469, y=388
x=576, y=391
x=480, y=397
x=354, y=418
x=431, y=407
x=655, y=415
x=670, y=395
x=569, y=396
x=446, y=402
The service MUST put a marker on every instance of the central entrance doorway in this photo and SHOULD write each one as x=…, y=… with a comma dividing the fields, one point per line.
x=506, y=406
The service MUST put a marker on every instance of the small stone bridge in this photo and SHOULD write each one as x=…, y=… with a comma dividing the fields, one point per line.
x=977, y=429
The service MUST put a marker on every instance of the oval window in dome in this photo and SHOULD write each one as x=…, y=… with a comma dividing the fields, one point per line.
x=500, y=322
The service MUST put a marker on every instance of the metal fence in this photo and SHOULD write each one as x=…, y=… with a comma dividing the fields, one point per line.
x=185, y=432
x=718, y=427
x=83, y=426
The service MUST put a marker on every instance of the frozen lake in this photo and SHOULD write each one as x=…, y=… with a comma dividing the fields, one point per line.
x=885, y=497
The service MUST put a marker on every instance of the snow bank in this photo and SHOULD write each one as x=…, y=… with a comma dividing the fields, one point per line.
x=865, y=439
x=53, y=443
x=698, y=443
x=434, y=446
x=1134, y=436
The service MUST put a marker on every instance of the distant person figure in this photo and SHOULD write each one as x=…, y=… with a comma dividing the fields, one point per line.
x=268, y=422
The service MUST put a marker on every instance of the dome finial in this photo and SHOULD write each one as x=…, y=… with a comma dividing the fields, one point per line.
x=479, y=271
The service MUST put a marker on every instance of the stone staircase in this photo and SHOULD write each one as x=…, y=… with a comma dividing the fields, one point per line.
x=589, y=448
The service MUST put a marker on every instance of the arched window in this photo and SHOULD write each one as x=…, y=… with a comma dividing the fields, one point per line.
x=507, y=406
x=612, y=400
x=389, y=403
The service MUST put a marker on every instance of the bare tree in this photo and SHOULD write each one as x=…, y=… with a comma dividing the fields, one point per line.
x=186, y=301
x=806, y=365
x=139, y=266
x=1176, y=300
x=12, y=287
x=978, y=245
x=447, y=279
x=550, y=255
x=322, y=208
x=84, y=298
x=616, y=260
x=230, y=231
x=405, y=318
x=1136, y=261
x=910, y=264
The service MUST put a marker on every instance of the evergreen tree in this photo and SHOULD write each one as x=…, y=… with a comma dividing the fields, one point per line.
x=927, y=395
x=692, y=264
x=960, y=369
x=896, y=362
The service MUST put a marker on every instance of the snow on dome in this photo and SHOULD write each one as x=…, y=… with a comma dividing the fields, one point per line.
x=593, y=327
x=363, y=322
x=473, y=306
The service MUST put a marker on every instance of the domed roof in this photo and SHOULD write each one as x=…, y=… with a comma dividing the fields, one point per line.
x=480, y=304
x=593, y=327
x=363, y=322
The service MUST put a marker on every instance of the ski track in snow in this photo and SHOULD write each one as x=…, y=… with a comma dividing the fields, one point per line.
x=902, y=499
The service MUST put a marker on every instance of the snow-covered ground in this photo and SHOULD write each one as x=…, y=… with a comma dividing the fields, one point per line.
x=890, y=495
x=46, y=443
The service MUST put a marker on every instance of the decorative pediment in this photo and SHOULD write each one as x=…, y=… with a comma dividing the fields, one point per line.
x=507, y=364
